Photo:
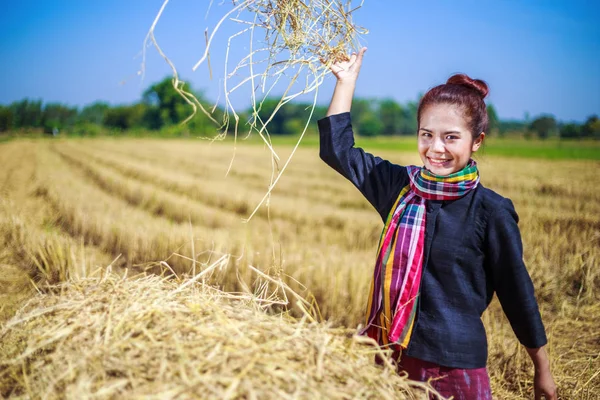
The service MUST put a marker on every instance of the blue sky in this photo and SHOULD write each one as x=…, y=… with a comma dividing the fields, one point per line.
x=537, y=56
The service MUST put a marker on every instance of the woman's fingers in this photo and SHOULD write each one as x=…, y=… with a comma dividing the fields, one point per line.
x=350, y=68
x=337, y=68
x=345, y=65
x=356, y=59
x=360, y=56
x=352, y=59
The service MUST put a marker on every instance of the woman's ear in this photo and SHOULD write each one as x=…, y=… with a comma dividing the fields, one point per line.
x=477, y=142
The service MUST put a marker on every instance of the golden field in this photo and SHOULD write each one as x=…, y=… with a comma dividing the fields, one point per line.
x=69, y=207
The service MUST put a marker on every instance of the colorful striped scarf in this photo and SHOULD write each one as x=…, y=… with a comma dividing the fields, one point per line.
x=396, y=282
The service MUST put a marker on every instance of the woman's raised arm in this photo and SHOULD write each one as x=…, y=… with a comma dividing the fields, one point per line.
x=346, y=73
x=377, y=179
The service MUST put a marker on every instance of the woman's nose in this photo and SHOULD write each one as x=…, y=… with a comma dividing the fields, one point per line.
x=437, y=145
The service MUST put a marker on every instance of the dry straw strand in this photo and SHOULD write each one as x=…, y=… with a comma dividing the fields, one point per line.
x=301, y=39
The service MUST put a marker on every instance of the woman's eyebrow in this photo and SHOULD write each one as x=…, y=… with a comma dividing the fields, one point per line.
x=445, y=133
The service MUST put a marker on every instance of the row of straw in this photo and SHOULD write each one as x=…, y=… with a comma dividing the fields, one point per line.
x=164, y=338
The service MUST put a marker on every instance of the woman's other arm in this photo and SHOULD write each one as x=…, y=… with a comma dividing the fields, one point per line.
x=514, y=288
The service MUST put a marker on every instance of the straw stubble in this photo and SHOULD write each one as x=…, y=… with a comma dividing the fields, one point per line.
x=151, y=337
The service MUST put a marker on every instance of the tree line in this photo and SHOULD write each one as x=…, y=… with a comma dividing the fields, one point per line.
x=162, y=110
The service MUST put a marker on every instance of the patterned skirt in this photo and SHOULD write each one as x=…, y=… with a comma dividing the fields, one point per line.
x=462, y=384
x=458, y=383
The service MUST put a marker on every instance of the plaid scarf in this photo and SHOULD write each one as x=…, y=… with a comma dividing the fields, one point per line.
x=396, y=282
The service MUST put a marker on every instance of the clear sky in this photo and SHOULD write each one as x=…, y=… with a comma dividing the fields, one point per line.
x=538, y=56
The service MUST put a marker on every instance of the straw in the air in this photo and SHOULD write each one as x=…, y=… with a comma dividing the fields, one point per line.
x=289, y=46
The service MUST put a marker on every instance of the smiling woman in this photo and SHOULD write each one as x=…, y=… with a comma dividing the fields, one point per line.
x=448, y=243
x=452, y=121
x=445, y=143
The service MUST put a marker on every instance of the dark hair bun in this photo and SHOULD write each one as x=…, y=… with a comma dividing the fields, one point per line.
x=476, y=84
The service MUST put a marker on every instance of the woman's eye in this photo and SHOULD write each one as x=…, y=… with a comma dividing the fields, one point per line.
x=451, y=137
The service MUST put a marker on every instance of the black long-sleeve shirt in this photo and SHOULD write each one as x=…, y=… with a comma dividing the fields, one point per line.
x=472, y=249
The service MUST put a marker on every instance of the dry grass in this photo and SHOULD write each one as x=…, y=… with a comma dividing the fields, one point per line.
x=156, y=338
x=32, y=250
x=76, y=203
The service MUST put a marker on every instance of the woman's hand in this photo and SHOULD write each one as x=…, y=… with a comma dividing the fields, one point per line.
x=346, y=73
x=543, y=383
x=544, y=386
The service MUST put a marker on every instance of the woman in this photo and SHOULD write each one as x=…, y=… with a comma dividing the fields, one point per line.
x=447, y=245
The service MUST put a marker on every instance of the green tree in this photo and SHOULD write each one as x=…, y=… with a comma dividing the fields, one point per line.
x=409, y=118
x=290, y=119
x=57, y=116
x=125, y=117
x=6, y=119
x=544, y=126
x=370, y=125
x=570, y=131
x=494, y=121
x=293, y=126
x=166, y=106
x=365, y=117
x=591, y=127
x=390, y=113
x=27, y=113
x=361, y=108
x=265, y=113
x=508, y=126
x=93, y=113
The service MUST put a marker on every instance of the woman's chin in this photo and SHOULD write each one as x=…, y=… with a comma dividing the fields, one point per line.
x=440, y=170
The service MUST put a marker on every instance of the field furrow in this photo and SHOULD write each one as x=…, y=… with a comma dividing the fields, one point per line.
x=161, y=203
x=251, y=171
x=182, y=209
x=32, y=247
x=361, y=228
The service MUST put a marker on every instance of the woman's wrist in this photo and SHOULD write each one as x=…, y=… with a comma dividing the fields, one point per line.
x=540, y=359
x=346, y=83
x=342, y=97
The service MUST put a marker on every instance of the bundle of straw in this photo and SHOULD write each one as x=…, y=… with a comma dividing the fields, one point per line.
x=156, y=338
x=291, y=43
x=311, y=31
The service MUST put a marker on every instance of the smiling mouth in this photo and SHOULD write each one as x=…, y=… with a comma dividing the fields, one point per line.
x=437, y=161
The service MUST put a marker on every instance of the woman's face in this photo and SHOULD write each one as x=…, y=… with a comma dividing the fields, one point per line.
x=445, y=142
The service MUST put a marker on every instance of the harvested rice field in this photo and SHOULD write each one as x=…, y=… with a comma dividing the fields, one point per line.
x=193, y=303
